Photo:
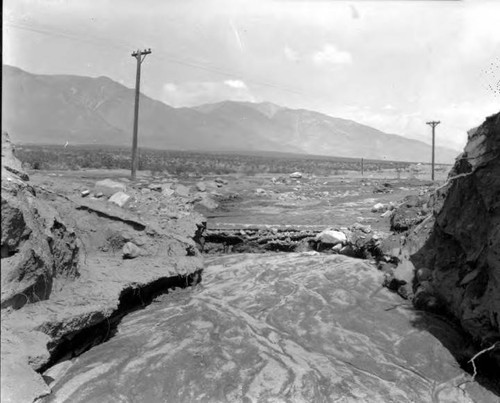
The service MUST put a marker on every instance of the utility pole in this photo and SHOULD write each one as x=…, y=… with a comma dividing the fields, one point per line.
x=140, y=55
x=362, y=167
x=433, y=124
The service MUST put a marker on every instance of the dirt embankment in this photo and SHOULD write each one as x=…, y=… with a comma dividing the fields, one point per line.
x=74, y=263
x=451, y=261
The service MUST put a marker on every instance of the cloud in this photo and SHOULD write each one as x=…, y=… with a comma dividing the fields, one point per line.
x=290, y=54
x=202, y=92
x=331, y=55
x=236, y=84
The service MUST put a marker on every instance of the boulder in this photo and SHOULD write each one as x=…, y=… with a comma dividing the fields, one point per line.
x=109, y=187
x=364, y=228
x=295, y=175
x=405, y=217
x=166, y=189
x=220, y=181
x=201, y=187
x=155, y=186
x=167, y=192
x=119, y=198
x=331, y=237
x=206, y=202
x=383, y=188
x=388, y=213
x=379, y=208
x=182, y=191
x=130, y=250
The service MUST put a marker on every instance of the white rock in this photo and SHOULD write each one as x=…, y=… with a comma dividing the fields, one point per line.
x=296, y=175
x=379, y=208
x=331, y=237
x=109, y=187
x=119, y=198
x=130, y=250
x=85, y=193
x=182, y=191
x=337, y=248
x=201, y=187
x=167, y=192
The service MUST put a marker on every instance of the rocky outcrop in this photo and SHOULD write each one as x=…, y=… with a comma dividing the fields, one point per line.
x=70, y=272
x=38, y=249
x=453, y=256
x=10, y=164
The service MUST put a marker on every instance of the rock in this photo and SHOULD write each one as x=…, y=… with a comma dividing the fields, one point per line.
x=220, y=181
x=167, y=191
x=331, y=237
x=47, y=312
x=379, y=208
x=37, y=247
x=182, y=191
x=404, y=218
x=85, y=193
x=295, y=175
x=155, y=186
x=207, y=202
x=130, y=250
x=364, y=228
x=383, y=188
x=119, y=198
x=348, y=250
x=388, y=213
x=10, y=163
x=109, y=187
x=455, y=251
x=423, y=274
x=201, y=187
x=260, y=191
x=337, y=248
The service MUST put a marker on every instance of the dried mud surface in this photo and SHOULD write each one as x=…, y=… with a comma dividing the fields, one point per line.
x=274, y=328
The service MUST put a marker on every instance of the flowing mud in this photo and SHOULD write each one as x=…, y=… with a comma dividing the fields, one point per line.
x=274, y=328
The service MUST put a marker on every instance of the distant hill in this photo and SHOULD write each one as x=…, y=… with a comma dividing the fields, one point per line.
x=83, y=110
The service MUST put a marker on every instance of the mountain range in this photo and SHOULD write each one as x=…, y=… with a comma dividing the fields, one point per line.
x=55, y=109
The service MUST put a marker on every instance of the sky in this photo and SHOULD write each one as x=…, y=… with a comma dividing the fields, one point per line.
x=392, y=65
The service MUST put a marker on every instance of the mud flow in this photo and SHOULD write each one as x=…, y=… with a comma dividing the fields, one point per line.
x=282, y=327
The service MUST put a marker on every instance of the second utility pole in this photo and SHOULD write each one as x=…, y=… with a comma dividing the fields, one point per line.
x=433, y=124
x=140, y=56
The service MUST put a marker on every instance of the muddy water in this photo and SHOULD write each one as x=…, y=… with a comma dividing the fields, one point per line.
x=273, y=328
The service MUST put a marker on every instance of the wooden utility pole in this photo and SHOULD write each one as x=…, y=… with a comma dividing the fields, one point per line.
x=433, y=124
x=140, y=55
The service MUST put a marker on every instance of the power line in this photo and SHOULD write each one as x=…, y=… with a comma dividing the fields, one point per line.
x=68, y=35
x=120, y=46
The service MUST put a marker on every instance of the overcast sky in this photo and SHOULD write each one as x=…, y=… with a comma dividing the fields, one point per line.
x=390, y=64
